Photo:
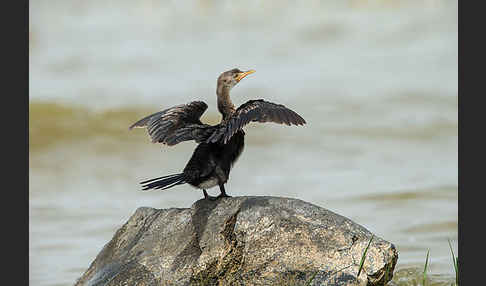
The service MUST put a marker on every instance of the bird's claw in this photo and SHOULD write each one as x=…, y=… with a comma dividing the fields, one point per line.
x=223, y=196
x=208, y=197
x=212, y=198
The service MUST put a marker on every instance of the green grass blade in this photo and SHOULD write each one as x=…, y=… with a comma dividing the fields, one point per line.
x=312, y=278
x=425, y=267
x=454, y=261
x=363, y=257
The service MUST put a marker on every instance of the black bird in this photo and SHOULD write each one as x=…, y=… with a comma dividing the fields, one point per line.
x=219, y=145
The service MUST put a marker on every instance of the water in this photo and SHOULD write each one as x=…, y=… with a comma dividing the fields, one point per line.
x=376, y=82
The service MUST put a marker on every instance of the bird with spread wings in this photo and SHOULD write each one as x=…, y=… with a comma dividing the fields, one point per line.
x=219, y=145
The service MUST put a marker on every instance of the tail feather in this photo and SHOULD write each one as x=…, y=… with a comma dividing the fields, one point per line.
x=163, y=177
x=164, y=182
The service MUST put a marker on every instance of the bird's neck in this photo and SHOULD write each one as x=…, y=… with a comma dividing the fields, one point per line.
x=225, y=106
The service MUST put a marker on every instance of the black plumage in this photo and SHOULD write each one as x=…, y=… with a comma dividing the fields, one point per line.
x=219, y=145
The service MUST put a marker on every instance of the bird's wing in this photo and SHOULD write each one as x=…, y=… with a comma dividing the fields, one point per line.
x=176, y=124
x=255, y=111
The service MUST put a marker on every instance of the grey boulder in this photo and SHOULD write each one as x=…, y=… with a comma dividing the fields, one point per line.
x=241, y=241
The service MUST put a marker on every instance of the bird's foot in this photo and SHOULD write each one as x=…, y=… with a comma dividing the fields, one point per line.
x=212, y=198
x=208, y=197
x=223, y=192
x=223, y=195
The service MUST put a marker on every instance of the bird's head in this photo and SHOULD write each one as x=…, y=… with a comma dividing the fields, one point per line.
x=232, y=77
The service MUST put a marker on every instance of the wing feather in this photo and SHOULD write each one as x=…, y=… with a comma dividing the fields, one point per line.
x=255, y=111
x=176, y=124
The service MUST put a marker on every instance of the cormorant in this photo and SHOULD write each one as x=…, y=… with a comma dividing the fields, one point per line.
x=219, y=145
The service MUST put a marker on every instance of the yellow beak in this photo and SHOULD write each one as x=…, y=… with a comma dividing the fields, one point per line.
x=243, y=74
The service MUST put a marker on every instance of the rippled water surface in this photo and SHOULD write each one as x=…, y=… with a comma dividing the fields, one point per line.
x=375, y=80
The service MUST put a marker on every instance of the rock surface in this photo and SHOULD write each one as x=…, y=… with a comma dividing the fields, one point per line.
x=241, y=241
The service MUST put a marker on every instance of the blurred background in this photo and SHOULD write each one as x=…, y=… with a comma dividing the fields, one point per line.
x=376, y=82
